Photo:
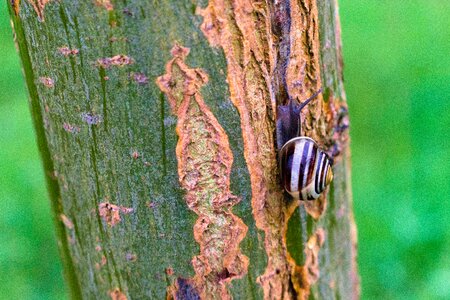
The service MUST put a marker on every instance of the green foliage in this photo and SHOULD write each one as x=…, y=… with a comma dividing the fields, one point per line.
x=396, y=77
x=397, y=74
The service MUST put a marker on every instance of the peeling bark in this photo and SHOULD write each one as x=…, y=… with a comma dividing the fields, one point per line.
x=38, y=5
x=272, y=54
x=161, y=159
x=204, y=167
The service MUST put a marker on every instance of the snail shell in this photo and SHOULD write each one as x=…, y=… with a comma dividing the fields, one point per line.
x=305, y=168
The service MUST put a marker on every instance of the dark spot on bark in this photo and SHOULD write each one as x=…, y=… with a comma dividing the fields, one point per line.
x=131, y=257
x=186, y=291
x=126, y=11
x=292, y=290
x=224, y=274
x=343, y=122
x=150, y=204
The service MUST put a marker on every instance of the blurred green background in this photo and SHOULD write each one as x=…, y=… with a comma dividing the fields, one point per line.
x=397, y=78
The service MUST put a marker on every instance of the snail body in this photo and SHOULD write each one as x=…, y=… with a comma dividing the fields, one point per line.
x=305, y=168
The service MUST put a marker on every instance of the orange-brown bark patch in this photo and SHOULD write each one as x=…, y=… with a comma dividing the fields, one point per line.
x=66, y=51
x=303, y=72
x=302, y=277
x=325, y=119
x=103, y=261
x=116, y=294
x=303, y=78
x=16, y=6
x=71, y=128
x=38, y=6
x=204, y=167
x=119, y=60
x=47, y=82
x=316, y=207
x=308, y=274
x=106, y=4
x=315, y=242
x=66, y=221
x=135, y=154
x=110, y=213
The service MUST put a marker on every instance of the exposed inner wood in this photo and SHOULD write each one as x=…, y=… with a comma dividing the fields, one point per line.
x=272, y=52
x=204, y=167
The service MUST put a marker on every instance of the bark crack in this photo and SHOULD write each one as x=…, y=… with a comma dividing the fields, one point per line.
x=249, y=76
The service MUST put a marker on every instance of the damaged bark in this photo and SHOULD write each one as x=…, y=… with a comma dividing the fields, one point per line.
x=156, y=124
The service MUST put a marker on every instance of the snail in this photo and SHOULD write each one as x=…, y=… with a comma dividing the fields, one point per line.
x=305, y=168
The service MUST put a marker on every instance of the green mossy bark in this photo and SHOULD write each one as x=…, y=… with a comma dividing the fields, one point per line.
x=87, y=164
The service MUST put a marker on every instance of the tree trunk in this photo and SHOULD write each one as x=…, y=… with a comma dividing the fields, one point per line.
x=156, y=125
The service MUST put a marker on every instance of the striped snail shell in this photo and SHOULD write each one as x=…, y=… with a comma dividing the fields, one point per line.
x=305, y=168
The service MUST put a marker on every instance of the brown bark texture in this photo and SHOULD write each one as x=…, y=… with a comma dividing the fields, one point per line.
x=156, y=123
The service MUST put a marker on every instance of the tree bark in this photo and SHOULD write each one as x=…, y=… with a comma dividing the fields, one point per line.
x=156, y=125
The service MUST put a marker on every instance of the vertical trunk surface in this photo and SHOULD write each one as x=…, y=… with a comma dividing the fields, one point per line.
x=156, y=125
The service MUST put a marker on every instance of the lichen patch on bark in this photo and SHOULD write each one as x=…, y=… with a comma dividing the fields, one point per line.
x=204, y=166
